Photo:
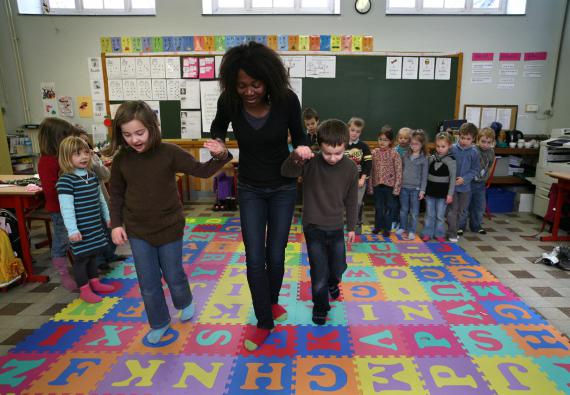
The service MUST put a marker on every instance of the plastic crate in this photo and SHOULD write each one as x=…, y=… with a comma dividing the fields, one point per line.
x=500, y=200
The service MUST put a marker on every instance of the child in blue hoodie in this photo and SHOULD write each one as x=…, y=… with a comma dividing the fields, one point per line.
x=467, y=161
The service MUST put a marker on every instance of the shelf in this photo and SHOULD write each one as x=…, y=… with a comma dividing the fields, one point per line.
x=509, y=180
x=22, y=156
x=517, y=151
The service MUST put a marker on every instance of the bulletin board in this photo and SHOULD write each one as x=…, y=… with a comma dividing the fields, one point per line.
x=482, y=115
x=360, y=86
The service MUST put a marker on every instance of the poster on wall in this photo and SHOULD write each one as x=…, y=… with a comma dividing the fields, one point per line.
x=190, y=124
x=85, y=106
x=393, y=68
x=65, y=104
x=99, y=111
x=427, y=68
x=49, y=102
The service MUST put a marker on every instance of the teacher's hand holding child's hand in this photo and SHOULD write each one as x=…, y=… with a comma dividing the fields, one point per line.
x=217, y=148
x=304, y=152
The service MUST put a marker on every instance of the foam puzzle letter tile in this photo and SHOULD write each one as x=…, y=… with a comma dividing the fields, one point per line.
x=19, y=371
x=320, y=376
x=171, y=343
x=458, y=259
x=262, y=375
x=389, y=376
x=400, y=284
x=325, y=340
x=512, y=312
x=387, y=259
x=76, y=373
x=168, y=374
x=452, y=376
x=490, y=291
x=413, y=248
x=539, y=340
x=362, y=291
x=282, y=342
x=464, y=313
x=109, y=337
x=378, y=340
x=557, y=369
x=431, y=341
x=357, y=258
x=214, y=339
x=487, y=340
x=467, y=274
x=433, y=273
x=53, y=337
x=442, y=291
x=128, y=310
x=515, y=376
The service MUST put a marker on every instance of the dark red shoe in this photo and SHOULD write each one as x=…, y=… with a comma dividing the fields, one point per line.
x=255, y=339
x=279, y=312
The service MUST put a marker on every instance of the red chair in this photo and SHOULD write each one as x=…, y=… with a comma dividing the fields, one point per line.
x=487, y=186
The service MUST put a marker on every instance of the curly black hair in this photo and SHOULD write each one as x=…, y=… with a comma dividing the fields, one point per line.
x=259, y=62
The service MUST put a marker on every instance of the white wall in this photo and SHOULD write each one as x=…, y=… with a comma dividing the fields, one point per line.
x=56, y=48
x=561, y=108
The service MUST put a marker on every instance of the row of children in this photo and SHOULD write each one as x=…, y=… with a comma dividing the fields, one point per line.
x=401, y=172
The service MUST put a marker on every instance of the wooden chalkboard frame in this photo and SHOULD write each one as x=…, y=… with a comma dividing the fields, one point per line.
x=456, y=72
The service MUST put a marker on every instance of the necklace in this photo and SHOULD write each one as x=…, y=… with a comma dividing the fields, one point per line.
x=86, y=179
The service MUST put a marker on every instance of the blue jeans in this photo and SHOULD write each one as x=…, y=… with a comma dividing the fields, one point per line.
x=327, y=258
x=435, y=217
x=265, y=215
x=384, y=203
x=153, y=262
x=409, y=204
x=59, y=238
x=476, y=209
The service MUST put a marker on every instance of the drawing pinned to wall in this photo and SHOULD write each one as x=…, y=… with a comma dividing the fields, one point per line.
x=113, y=67
x=130, y=89
x=173, y=89
x=128, y=68
x=303, y=42
x=393, y=68
x=97, y=91
x=172, y=67
x=65, y=104
x=534, y=63
x=346, y=43
x=142, y=66
x=99, y=111
x=442, y=68
x=410, y=68
x=189, y=67
x=209, y=93
x=85, y=106
x=48, y=99
x=427, y=68
x=159, y=89
x=320, y=66
x=190, y=94
x=295, y=65
x=335, y=43
x=115, y=88
x=157, y=68
x=99, y=133
x=94, y=67
x=190, y=125
x=482, y=67
x=207, y=69
x=144, y=89
x=509, y=63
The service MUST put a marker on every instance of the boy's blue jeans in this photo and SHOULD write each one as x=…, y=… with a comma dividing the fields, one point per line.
x=476, y=209
x=409, y=205
x=151, y=264
x=384, y=203
x=435, y=217
x=327, y=258
x=265, y=215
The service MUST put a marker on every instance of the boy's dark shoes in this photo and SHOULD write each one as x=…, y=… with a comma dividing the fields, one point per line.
x=334, y=292
x=375, y=231
x=319, y=317
x=459, y=232
x=482, y=231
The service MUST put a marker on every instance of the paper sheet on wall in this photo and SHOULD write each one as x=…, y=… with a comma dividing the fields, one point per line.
x=473, y=115
x=130, y=89
x=113, y=110
x=393, y=68
x=97, y=91
x=144, y=89
x=506, y=83
x=427, y=68
x=159, y=90
x=209, y=93
x=206, y=156
x=65, y=104
x=442, y=68
x=128, y=68
x=143, y=67
x=49, y=101
x=99, y=133
x=297, y=87
x=95, y=70
x=115, y=89
x=85, y=106
x=218, y=60
x=113, y=66
x=410, y=68
x=481, y=79
x=99, y=111
x=508, y=69
x=157, y=68
x=320, y=66
x=190, y=94
x=155, y=106
x=172, y=67
x=488, y=116
x=534, y=70
x=189, y=67
x=190, y=125
x=207, y=68
x=173, y=89
x=504, y=116
x=295, y=66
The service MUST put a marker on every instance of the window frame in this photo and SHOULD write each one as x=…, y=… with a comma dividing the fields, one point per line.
x=467, y=10
x=210, y=7
x=79, y=10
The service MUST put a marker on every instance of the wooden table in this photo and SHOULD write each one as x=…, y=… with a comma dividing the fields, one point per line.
x=563, y=187
x=18, y=198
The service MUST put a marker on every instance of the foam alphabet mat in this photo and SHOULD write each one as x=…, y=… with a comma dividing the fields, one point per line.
x=413, y=318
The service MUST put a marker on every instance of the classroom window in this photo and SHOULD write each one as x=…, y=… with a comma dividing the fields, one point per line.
x=456, y=7
x=246, y=7
x=87, y=7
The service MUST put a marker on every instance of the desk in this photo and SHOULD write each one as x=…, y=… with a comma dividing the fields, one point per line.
x=18, y=198
x=563, y=187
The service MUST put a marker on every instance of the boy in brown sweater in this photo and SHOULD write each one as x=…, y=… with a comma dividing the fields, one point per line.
x=330, y=188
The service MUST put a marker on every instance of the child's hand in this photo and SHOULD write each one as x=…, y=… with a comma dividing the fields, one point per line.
x=361, y=182
x=421, y=195
x=304, y=152
x=459, y=181
x=216, y=148
x=119, y=236
x=350, y=238
x=75, y=237
x=449, y=199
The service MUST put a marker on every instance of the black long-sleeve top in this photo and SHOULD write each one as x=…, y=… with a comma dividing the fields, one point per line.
x=263, y=150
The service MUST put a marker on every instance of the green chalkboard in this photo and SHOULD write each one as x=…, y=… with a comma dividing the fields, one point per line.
x=360, y=88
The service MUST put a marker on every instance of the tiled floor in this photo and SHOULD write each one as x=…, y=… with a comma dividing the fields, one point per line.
x=505, y=251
